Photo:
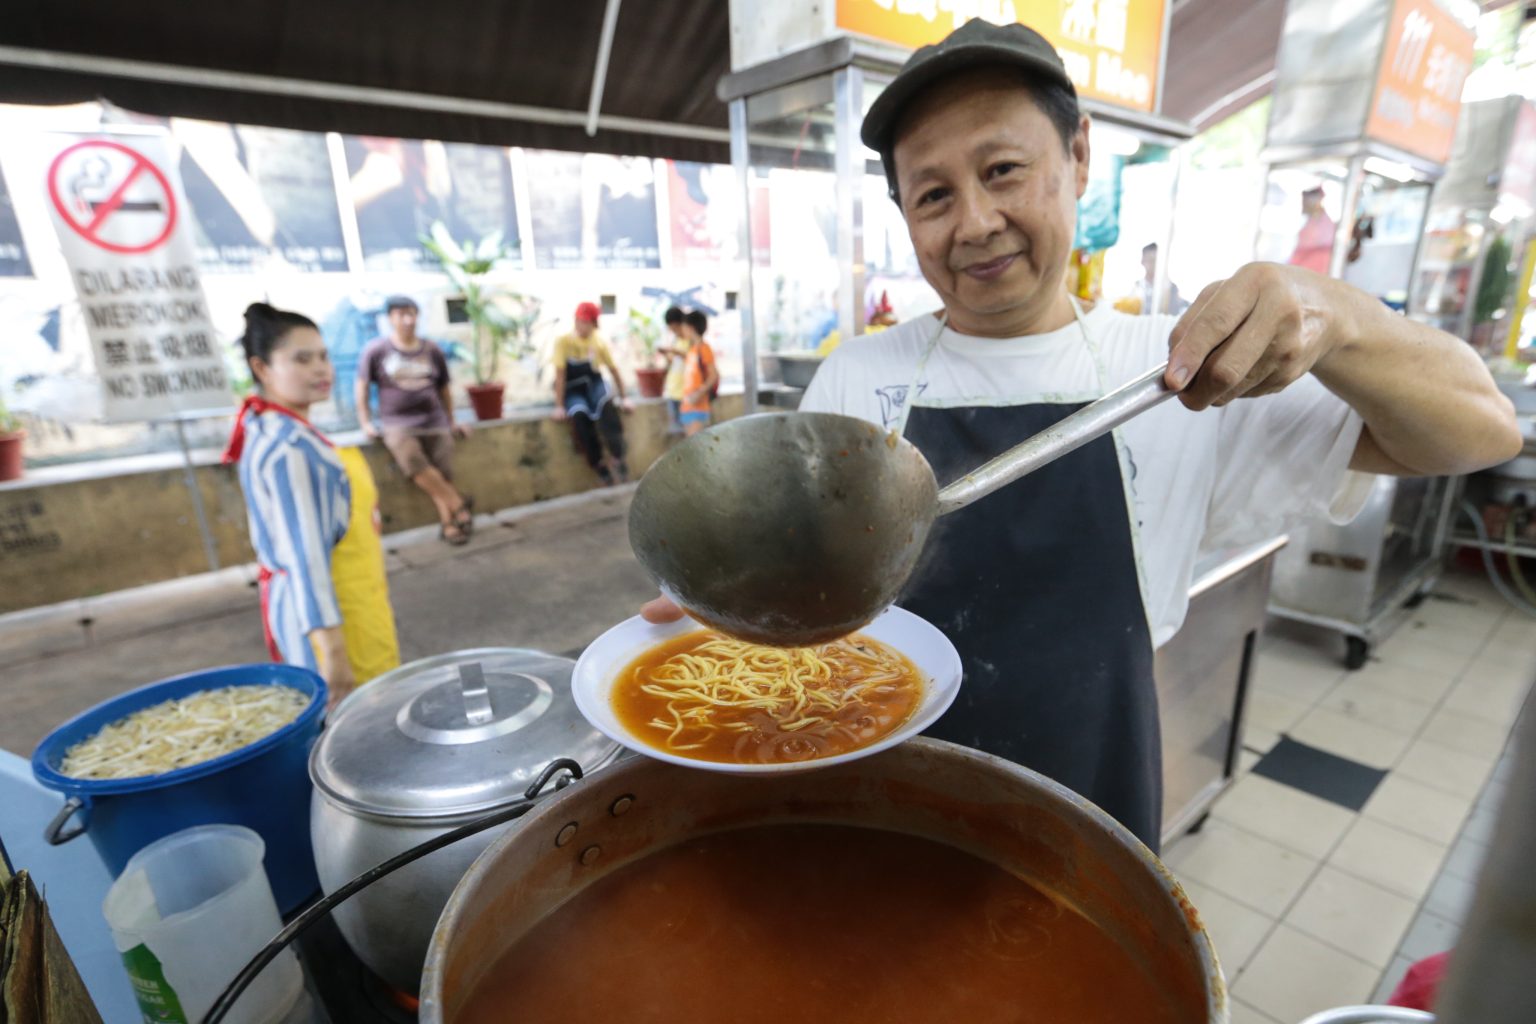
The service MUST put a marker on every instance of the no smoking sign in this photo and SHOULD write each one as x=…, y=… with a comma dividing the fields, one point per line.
x=112, y=196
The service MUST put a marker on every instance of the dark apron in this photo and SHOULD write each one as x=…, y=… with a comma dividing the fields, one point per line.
x=585, y=390
x=1036, y=586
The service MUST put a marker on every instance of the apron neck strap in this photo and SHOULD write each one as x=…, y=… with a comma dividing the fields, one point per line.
x=258, y=405
x=1092, y=342
x=938, y=332
x=900, y=427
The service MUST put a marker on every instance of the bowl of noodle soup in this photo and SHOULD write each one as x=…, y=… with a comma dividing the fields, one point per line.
x=683, y=694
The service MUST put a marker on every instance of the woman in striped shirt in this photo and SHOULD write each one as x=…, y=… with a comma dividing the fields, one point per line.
x=313, y=512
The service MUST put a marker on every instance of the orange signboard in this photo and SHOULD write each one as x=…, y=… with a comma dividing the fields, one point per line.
x=1418, y=89
x=1112, y=48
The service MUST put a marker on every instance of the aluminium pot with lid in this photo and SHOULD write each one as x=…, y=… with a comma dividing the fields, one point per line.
x=417, y=752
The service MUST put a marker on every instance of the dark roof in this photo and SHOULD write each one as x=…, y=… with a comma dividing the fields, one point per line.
x=665, y=61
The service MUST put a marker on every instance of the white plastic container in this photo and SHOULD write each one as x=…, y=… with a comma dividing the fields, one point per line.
x=187, y=913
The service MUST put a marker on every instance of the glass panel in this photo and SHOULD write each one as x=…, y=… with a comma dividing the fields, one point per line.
x=1454, y=237
x=1302, y=204
x=1385, y=237
x=1147, y=180
x=794, y=236
x=894, y=287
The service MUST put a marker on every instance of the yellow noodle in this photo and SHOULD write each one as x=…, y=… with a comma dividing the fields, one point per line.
x=795, y=688
x=183, y=732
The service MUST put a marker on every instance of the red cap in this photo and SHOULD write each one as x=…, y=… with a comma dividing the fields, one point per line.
x=588, y=311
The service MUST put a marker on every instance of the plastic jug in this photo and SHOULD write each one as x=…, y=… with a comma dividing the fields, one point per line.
x=188, y=912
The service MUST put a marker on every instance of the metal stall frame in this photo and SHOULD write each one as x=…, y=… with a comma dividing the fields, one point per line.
x=1385, y=611
x=1354, y=155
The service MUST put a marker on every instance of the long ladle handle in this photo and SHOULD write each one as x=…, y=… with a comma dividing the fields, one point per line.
x=1090, y=422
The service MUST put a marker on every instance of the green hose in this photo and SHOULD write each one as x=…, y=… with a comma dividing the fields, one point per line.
x=1470, y=510
x=1514, y=561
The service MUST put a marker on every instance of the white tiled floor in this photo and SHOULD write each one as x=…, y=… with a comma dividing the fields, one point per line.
x=1311, y=905
x=1294, y=975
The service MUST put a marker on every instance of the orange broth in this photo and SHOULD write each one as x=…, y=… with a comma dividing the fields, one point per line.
x=828, y=924
x=875, y=689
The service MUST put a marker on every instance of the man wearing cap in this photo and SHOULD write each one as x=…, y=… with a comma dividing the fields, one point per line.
x=415, y=413
x=581, y=395
x=1057, y=588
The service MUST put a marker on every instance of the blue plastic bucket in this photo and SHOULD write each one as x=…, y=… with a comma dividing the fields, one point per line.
x=264, y=786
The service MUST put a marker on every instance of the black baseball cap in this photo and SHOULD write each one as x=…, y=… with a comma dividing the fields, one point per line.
x=395, y=302
x=975, y=44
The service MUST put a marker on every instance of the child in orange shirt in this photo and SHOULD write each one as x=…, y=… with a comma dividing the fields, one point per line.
x=701, y=377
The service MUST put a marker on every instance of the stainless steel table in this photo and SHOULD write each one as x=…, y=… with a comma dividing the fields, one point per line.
x=1203, y=677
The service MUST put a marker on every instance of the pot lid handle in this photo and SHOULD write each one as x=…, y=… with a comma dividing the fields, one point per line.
x=477, y=698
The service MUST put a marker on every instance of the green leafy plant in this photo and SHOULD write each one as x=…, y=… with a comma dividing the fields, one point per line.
x=644, y=332
x=9, y=424
x=776, y=333
x=528, y=311
x=1493, y=293
x=467, y=265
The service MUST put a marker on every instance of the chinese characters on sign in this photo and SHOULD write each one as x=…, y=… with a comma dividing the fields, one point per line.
x=1112, y=49
x=1427, y=59
x=122, y=229
x=24, y=529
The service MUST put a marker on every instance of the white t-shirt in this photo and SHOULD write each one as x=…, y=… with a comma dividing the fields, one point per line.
x=1199, y=481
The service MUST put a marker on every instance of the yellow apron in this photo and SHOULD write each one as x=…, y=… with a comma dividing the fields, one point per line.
x=362, y=586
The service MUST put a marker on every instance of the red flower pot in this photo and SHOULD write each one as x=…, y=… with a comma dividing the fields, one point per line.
x=486, y=400
x=10, y=455
x=651, y=381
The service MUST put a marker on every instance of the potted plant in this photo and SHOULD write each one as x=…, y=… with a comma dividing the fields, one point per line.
x=646, y=333
x=11, y=436
x=467, y=266
x=524, y=319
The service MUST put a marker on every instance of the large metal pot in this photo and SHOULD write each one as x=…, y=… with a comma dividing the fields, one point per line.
x=1007, y=814
x=422, y=750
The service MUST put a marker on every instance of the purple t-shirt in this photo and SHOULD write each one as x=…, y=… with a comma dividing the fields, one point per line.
x=408, y=384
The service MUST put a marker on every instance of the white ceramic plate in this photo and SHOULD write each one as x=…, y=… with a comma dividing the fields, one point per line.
x=928, y=649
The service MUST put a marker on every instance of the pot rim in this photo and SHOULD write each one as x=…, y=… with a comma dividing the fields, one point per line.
x=448, y=816
x=549, y=811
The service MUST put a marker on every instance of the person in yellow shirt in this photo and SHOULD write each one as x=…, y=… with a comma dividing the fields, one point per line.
x=677, y=356
x=582, y=396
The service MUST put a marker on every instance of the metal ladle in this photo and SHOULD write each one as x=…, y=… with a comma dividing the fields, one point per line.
x=793, y=529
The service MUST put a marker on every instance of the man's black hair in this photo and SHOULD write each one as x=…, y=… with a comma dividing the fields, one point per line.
x=1149, y=247
x=697, y=320
x=673, y=315
x=1056, y=101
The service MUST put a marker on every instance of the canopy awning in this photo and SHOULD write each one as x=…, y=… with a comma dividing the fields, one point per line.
x=1221, y=57
x=498, y=72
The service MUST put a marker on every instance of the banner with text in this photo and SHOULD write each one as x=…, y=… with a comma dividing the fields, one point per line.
x=1427, y=59
x=122, y=222
x=1112, y=49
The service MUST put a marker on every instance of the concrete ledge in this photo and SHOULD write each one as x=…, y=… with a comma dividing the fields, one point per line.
x=93, y=533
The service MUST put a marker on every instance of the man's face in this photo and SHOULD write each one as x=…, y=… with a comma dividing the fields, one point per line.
x=1311, y=202
x=1149, y=263
x=990, y=199
x=403, y=322
x=584, y=328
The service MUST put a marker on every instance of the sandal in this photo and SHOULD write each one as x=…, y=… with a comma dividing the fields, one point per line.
x=453, y=534
x=464, y=515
